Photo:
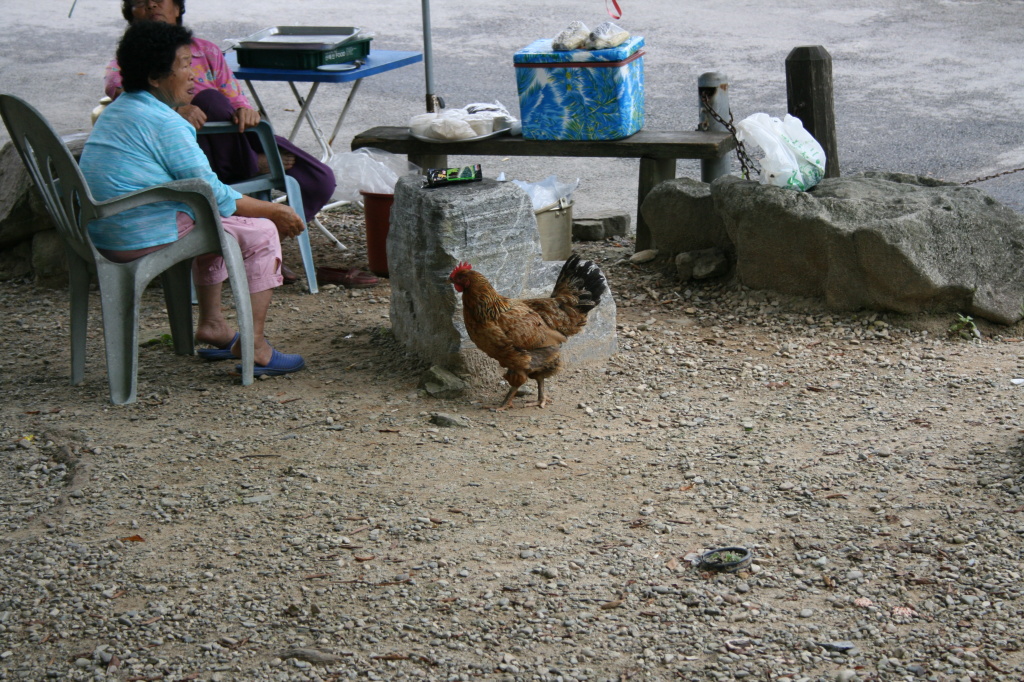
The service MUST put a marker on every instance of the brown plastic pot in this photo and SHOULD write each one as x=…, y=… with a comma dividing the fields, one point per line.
x=377, y=211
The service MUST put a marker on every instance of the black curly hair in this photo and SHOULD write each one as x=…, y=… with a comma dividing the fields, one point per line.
x=147, y=50
x=126, y=10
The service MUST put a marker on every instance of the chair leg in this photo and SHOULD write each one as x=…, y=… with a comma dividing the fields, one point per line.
x=78, y=287
x=177, y=284
x=307, y=260
x=295, y=201
x=120, y=333
x=243, y=305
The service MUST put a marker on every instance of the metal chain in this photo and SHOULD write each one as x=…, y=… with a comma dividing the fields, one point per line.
x=994, y=175
x=747, y=164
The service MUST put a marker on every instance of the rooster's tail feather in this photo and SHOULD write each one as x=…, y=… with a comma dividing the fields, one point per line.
x=582, y=279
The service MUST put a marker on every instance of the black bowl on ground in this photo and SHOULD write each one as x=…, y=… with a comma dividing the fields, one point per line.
x=726, y=559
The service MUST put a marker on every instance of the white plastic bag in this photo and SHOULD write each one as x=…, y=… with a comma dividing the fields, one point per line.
x=792, y=158
x=367, y=169
x=472, y=120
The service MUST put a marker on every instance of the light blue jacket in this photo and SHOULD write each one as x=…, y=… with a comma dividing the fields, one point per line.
x=139, y=142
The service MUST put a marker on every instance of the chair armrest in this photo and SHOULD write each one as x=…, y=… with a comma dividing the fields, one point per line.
x=193, y=192
x=264, y=131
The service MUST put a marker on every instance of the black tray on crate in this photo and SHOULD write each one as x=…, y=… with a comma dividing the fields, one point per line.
x=302, y=47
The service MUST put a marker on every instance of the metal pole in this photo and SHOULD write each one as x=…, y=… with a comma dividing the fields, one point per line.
x=713, y=87
x=428, y=58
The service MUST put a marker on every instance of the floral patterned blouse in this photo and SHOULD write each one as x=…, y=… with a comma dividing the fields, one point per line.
x=209, y=67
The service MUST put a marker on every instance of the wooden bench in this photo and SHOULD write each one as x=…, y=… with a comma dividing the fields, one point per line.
x=657, y=151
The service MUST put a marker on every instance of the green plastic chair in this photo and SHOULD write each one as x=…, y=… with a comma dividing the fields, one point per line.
x=71, y=206
x=276, y=179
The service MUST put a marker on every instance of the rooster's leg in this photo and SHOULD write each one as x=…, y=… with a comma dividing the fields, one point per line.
x=506, y=403
x=542, y=400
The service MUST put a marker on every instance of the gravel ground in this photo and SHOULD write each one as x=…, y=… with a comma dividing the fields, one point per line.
x=338, y=524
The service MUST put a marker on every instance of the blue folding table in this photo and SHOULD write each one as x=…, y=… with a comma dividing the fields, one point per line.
x=378, y=61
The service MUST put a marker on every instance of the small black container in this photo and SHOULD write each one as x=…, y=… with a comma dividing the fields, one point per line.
x=722, y=559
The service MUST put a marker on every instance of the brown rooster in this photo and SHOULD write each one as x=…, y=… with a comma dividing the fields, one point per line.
x=525, y=334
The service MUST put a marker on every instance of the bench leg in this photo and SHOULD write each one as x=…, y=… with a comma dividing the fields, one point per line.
x=652, y=172
x=425, y=161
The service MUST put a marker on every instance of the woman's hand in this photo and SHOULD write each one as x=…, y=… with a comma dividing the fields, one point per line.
x=288, y=223
x=193, y=115
x=245, y=119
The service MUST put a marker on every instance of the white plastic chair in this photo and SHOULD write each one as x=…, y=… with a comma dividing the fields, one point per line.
x=71, y=206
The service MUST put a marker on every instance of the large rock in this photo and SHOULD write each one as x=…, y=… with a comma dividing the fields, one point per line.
x=681, y=216
x=884, y=241
x=23, y=219
x=20, y=204
x=492, y=226
x=50, y=259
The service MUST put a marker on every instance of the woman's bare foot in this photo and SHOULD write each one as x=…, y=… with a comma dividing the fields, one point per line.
x=214, y=334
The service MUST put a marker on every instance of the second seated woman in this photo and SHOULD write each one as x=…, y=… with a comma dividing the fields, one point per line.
x=219, y=97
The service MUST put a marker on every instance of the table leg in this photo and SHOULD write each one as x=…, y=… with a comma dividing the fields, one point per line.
x=344, y=110
x=327, y=233
x=306, y=114
x=652, y=171
x=256, y=98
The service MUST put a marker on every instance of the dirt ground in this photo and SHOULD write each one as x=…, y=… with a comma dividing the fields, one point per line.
x=871, y=462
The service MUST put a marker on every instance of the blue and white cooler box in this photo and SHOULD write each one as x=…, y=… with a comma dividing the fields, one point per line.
x=581, y=94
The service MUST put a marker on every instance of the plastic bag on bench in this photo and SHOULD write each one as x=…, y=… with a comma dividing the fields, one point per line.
x=792, y=157
x=471, y=121
x=369, y=170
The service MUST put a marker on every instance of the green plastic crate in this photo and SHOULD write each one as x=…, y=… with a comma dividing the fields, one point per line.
x=303, y=59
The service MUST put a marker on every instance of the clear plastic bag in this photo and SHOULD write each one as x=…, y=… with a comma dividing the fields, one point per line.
x=369, y=170
x=606, y=35
x=573, y=37
x=548, y=191
x=792, y=157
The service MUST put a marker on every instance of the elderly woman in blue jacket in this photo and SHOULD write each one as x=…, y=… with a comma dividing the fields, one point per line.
x=141, y=141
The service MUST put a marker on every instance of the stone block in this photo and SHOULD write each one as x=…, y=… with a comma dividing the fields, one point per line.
x=681, y=216
x=492, y=226
x=600, y=226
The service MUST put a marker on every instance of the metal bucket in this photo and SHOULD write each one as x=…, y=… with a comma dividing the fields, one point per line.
x=554, y=222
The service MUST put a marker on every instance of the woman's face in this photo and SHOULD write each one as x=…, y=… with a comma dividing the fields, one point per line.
x=176, y=88
x=155, y=10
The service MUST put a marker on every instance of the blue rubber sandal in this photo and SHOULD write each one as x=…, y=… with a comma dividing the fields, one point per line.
x=220, y=352
x=280, y=363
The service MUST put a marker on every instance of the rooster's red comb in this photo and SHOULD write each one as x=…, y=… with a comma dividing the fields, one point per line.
x=460, y=267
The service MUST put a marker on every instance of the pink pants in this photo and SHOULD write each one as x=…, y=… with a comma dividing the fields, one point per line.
x=257, y=237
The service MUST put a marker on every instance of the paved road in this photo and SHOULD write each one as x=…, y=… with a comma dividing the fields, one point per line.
x=932, y=87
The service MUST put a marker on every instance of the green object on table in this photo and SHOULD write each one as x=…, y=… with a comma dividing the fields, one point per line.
x=303, y=59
